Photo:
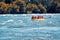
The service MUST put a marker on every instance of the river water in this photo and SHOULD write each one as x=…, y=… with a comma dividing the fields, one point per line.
x=22, y=27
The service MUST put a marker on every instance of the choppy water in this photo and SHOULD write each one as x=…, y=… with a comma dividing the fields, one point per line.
x=21, y=27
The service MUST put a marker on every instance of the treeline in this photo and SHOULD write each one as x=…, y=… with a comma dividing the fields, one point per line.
x=21, y=7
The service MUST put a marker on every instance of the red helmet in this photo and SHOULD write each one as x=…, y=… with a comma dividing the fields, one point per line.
x=34, y=17
x=40, y=17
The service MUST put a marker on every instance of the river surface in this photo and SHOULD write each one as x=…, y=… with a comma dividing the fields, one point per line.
x=22, y=27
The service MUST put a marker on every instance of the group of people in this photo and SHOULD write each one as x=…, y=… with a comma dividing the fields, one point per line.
x=21, y=7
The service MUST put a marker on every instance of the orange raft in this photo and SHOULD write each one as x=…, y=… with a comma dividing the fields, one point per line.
x=38, y=18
